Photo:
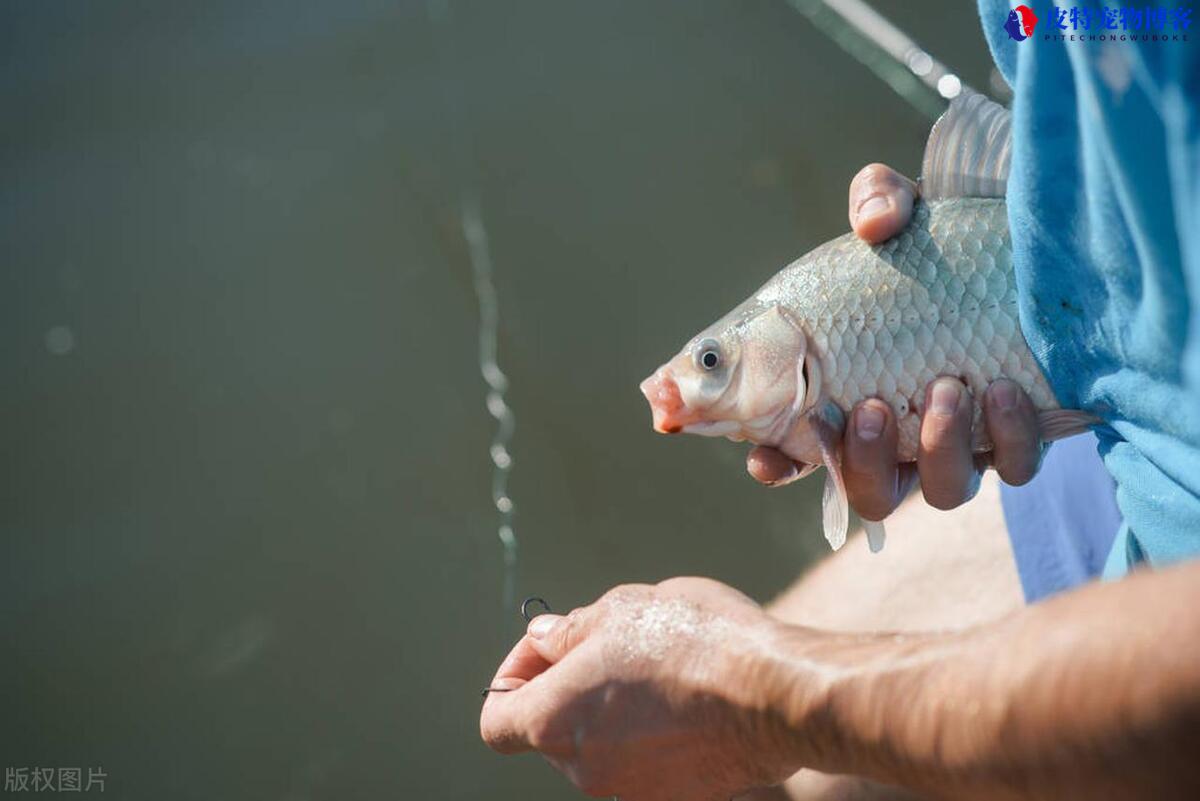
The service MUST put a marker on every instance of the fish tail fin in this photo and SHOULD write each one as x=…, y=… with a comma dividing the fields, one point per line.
x=1062, y=423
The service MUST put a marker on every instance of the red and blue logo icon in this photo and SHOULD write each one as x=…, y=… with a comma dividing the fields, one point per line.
x=1021, y=22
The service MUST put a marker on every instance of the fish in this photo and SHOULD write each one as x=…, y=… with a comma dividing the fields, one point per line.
x=849, y=321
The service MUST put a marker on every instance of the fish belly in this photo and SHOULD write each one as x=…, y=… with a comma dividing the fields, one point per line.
x=939, y=299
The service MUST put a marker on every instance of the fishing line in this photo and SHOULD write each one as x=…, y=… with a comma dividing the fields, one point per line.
x=479, y=255
x=901, y=63
x=860, y=30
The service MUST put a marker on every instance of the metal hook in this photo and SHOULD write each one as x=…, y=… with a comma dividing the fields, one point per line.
x=532, y=599
x=525, y=614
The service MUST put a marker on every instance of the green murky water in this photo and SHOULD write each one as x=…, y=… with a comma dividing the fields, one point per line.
x=250, y=550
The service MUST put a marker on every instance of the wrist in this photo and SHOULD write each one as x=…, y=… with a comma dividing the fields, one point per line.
x=802, y=683
x=753, y=679
x=852, y=703
x=786, y=695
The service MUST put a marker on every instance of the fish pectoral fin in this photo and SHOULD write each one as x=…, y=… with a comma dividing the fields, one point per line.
x=835, y=509
x=1062, y=423
x=801, y=471
x=827, y=422
x=876, y=534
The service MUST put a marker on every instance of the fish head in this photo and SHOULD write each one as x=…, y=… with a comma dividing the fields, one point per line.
x=739, y=378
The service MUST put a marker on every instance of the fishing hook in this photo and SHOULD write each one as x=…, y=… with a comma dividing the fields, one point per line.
x=533, y=599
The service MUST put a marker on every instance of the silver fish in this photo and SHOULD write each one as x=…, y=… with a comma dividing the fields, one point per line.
x=850, y=321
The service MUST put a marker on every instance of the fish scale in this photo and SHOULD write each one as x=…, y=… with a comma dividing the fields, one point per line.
x=940, y=299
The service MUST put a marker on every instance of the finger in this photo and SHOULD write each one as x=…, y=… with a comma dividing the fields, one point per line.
x=944, y=459
x=505, y=722
x=522, y=664
x=533, y=718
x=555, y=636
x=1012, y=426
x=770, y=466
x=881, y=202
x=869, y=460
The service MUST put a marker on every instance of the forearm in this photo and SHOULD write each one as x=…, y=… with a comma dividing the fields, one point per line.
x=1091, y=695
x=940, y=570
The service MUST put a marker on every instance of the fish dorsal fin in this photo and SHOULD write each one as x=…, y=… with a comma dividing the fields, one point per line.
x=969, y=150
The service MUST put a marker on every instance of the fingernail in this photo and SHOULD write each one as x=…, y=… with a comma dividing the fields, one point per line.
x=868, y=422
x=871, y=207
x=541, y=626
x=945, y=395
x=1005, y=395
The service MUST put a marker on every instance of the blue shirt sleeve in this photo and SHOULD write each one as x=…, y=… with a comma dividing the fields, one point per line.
x=1062, y=523
x=1104, y=207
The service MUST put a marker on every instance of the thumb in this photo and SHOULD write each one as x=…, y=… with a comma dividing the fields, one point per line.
x=881, y=203
x=554, y=636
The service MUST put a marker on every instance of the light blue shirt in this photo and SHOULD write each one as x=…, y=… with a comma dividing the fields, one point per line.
x=1104, y=206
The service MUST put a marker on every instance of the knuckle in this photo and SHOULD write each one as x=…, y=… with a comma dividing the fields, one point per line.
x=874, y=173
x=951, y=492
x=943, y=445
x=622, y=593
x=495, y=737
x=569, y=626
x=943, y=436
x=673, y=583
x=943, y=498
x=868, y=494
x=873, y=506
x=681, y=583
x=1016, y=471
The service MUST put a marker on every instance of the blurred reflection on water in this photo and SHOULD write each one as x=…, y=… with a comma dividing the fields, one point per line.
x=250, y=549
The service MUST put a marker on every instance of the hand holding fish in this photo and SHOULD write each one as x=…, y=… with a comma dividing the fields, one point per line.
x=915, y=341
x=881, y=203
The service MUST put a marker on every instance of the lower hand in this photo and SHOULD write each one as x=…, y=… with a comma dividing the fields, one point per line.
x=649, y=693
x=881, y=202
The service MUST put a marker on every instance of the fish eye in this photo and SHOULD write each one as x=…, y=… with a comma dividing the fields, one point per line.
x=708, y=355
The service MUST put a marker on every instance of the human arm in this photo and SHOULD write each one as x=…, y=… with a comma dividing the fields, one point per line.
x=940, y=571
x=1094, y=694
x=687, y=689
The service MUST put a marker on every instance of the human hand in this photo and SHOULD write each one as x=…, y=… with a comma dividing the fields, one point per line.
x=652, y=692
x=881, y=202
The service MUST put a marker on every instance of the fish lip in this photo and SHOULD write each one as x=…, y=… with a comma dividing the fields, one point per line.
x=670, y=413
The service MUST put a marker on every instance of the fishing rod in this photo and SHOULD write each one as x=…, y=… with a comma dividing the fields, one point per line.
x=891, y=54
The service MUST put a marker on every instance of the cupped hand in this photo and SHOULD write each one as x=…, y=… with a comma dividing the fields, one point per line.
x=644, y=694
x=881, y=203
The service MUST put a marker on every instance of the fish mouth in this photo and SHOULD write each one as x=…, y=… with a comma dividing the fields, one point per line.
x=671, y=415
x=713, y=428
